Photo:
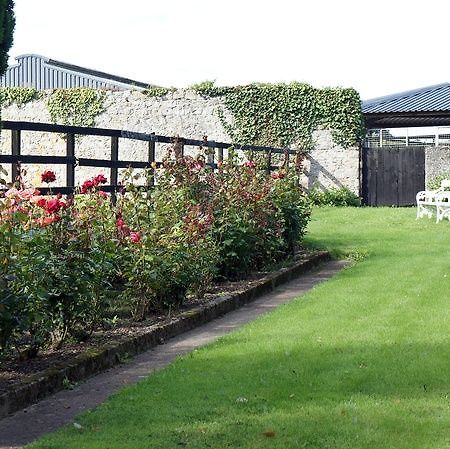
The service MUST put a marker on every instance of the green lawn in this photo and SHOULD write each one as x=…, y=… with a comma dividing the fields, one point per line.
x=362, y=361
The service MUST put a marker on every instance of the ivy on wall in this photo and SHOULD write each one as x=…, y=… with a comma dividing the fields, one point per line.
x=18, y=95
x=77, y=107
x=283, y=115
x=156, y=91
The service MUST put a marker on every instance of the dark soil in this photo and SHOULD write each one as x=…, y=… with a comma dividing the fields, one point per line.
x=13, y=370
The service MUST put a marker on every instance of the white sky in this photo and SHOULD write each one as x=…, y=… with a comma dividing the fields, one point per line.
x=378, y=48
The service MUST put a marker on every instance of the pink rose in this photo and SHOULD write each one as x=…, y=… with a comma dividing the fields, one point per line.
x=26, y=194
x=12, y=193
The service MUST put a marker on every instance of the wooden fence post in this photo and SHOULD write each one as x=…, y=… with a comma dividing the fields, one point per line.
x=114, y=158
x=114, y=170
x=211, y=152
x=70, y=166
x=286, y=159
x=151, y=159
x=15, y=151
x=269, y=163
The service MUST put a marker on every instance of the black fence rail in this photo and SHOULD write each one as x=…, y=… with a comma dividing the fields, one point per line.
x=70, y=160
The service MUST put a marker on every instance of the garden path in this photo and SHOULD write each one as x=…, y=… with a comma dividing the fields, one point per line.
x=61, y=408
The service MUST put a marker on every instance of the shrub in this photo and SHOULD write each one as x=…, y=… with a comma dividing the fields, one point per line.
x=335, y=196
x=165, y=247
x=257, y=219
x=247, y=226
x=435, y=182
x=63, y=260
x=294, y=206
x=56, y=261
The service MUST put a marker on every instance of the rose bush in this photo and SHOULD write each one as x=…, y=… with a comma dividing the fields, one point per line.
x=66, y=262
x=165, y=247
x=56, y=260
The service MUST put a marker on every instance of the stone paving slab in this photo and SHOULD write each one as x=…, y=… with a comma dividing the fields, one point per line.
x=61, y=408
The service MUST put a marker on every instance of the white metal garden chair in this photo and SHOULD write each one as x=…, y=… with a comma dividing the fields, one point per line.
x=436, y=202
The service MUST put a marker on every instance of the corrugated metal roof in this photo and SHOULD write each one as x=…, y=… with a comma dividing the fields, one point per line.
x=429, y=99
x=41, y=72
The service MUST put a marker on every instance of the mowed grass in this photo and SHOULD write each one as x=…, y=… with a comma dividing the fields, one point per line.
x=362, y=361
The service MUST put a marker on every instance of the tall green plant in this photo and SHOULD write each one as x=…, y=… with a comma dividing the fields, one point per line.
x=7, y=23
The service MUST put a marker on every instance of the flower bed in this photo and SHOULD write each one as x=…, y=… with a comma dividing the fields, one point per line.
x=72, y=265
x=21, y=383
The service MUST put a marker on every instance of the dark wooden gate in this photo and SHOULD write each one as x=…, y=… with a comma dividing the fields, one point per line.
x=392, y=176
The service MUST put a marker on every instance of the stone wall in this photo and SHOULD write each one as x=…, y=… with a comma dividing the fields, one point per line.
x=437, y=161
x=182, y=112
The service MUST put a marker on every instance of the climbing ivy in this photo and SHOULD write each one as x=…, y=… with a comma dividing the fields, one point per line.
x=209, y=89
x=155, y=91
x=287, y=114
x=18, y=95
x=77, y=107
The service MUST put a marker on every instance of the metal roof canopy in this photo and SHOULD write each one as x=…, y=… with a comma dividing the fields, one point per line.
x=427, y=106
x=41, y=72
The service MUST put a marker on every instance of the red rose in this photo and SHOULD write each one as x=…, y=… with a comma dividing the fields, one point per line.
x=87, y=185
x=250, y=164
x=135, y=237
x=120, y=223
x=48, y=176
x=41, y=202
x=52, y=206
x=99, y=179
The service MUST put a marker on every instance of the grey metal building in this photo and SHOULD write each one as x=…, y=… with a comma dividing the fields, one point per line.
x=42, y=73
x=427, y=106
x=413, y=118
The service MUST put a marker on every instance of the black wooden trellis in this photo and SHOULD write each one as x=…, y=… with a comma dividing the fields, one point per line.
x=70, y=160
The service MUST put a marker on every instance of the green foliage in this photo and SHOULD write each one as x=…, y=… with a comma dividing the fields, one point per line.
x=336, y=196
x=292, y=203
x=285, y=115
x=435, y=182
x=7, y=24
x=257, y=219
x=247, y=226
x=156, y=91
x=209, y=89
x=56, y=259
x=340, y=110
x=174, y=254
x=18, y=95
x=77, y=107
x=63, y=260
